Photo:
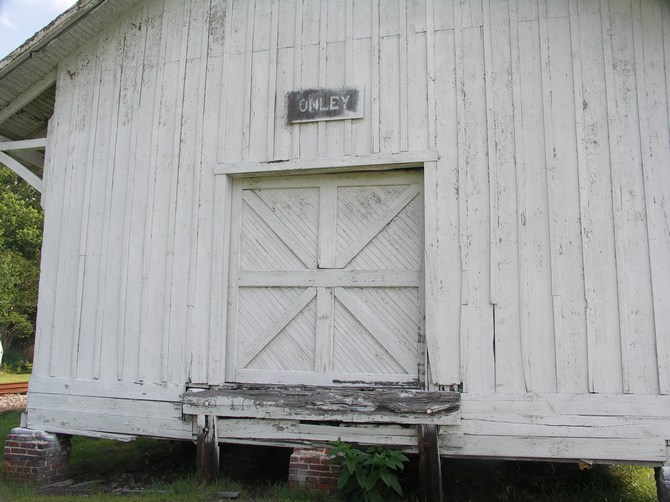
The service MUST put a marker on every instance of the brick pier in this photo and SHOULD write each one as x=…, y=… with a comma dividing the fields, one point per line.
x=308, y=469
x=32, y=456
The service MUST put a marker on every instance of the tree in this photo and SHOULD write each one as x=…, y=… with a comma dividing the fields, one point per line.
x=21, y=220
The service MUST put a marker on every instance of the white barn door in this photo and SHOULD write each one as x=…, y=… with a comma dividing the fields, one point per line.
x=324, y=284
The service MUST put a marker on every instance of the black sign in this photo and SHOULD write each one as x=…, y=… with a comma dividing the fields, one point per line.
x=310, y=105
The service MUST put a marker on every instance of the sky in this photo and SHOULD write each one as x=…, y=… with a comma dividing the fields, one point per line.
x=21, y=19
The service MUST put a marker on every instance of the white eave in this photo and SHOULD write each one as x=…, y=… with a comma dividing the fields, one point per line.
x=28, y=80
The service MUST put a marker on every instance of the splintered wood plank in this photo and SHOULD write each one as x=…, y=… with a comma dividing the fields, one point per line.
x=522, y=234
x=550, y=448
x=233, y=292
x=363, y=78
x=327, y=226
x=220, y=271
x=430, y=71
x=653, y=123
x=477, y=344
x=297, y=72
x=142, y=189
x=604, y=342
x=287, y=23
x=283, y=132
x=334, y=135
x=134, y=49
x=83, y=302
x=503, y=193
x=247, y=81
x=159, y=234
x=376, y=85
x=657, y=178
x=273, y=95
x=112, y=77
x=389, y=94
x=403, y=74
x=420, y=119
x=309, y=133
x=240, y=430
x=261, y=101
x=442, y=192
x=174, y=314
x=63, y=355
x=323, y=69
x=224, y=89
x=567, y=271
x=51, y=201
x=534, y=214
x=188, y=191
x=630, y=231
x=349, y=67
x=325, y=299
x=147, y=336
x=388, y=405
x=209, y=19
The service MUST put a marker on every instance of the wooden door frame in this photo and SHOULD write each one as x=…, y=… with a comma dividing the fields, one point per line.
x=224, y=175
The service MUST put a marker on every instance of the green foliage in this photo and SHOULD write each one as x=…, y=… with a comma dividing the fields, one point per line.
x=367, y=475
x=21, y=221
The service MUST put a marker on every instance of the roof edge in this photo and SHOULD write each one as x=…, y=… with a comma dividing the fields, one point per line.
x=42, y=38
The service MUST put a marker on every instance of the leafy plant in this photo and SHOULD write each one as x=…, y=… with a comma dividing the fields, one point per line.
x=367, y=475
x=20, y=240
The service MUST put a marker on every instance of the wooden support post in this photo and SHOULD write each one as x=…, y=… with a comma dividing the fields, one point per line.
x=429, y=463
x=208, y=449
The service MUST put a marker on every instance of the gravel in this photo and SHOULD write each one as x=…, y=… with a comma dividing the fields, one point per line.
x=10, y=402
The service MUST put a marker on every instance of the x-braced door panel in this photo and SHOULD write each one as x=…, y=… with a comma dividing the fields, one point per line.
x=325, y=279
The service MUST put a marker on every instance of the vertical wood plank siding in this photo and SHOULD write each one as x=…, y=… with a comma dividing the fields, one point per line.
x=552, y=236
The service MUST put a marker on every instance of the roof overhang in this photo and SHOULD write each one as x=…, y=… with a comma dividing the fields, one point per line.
x=28, y=80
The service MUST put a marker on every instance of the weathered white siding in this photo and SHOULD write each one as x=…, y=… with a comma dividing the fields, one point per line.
x=550, y=119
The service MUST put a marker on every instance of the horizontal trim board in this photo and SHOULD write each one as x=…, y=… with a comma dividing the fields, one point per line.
x=327, y=378
x=597, y=450
x=291, y=430
x=627, y=405
x=379, y=161
x=338, y=179
x=105, y=415
x=331, y=278
x=96, y=388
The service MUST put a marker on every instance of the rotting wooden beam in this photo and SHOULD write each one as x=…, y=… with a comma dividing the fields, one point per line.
x=207, y=449
x=344, y=404
x=429, y=463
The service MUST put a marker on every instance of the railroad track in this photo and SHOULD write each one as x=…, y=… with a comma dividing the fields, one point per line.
x=14, y=388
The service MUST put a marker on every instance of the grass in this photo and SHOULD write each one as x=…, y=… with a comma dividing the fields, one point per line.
x=13, y=377
x=167, y=469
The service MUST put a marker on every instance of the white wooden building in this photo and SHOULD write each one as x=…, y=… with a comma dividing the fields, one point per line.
x=495, y=223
